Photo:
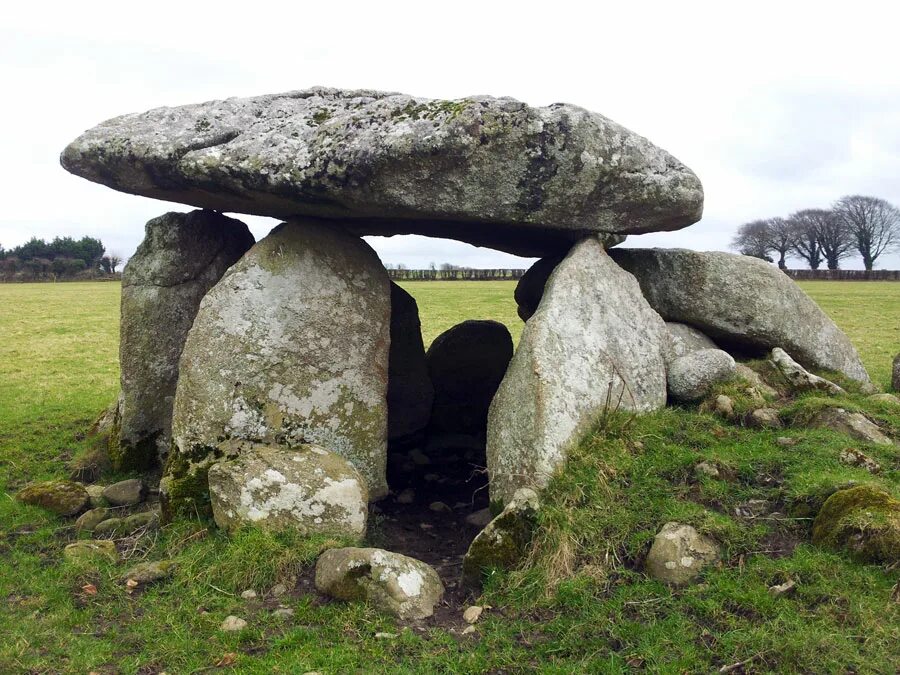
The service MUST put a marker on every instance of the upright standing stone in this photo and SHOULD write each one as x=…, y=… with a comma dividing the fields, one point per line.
x=895, y=374
x=466, y=364
x=182, y=256
x=290, y=347
x=593, y=344
x=410, y=393
x=742, y=301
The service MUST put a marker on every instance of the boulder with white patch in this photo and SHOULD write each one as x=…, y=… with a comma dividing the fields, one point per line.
x=305, y=488
x=679, y=553
x=290, y=347
x=397, y=584
x=593, y=344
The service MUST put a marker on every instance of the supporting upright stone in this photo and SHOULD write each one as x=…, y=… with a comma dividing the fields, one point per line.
x=182, y=256
x=593, y=345
x=410, y=392
x=290, y=347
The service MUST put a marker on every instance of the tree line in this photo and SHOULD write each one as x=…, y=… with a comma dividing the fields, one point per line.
x=62, y=258
x=855, y=225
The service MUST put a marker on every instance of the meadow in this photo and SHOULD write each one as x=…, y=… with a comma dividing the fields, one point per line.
x=580, y=605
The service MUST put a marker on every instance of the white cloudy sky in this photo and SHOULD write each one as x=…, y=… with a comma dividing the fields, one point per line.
x=776, y=105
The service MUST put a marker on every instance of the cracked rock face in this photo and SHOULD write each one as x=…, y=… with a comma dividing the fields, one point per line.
x=397, y=584
x=593, y=344
x=489, y=171
x=290, y=347
x=305, y=488
x=741, y=301
x=182, y=256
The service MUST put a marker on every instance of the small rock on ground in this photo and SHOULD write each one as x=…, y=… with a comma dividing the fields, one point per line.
x=232, y=624
x=679, y=553
x=126, y=492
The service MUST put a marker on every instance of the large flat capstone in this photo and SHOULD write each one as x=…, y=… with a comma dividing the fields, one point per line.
x=489, y=171
x=594, y=344
x=743, y=302
x=290, y=347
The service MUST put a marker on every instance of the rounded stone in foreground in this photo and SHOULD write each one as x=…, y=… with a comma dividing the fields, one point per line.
x=305, y=488
x=692, y=376
x=863, y=521
x=62, y=497
x=397, y=584
x=679, y=553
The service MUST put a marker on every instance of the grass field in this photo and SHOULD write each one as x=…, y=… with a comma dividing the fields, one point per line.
x=582, y=605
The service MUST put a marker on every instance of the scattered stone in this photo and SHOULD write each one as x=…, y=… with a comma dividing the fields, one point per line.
x=466, y=364
x=787, y=587
x=707, y=469
x=124, y=527
x=679, y=553
x=410, y=393
x=686, y=339
x=799, y=378
x=854, y=424
x=88, y=520
x=283, y=613
x=362, y=155
x=278, y=590
x=62, y=497
x=233, y=624
x=864, y=521
x=724, y=406
x=755, y=381
x=472, y=614
x=91, y=549
x=440, y=507
x=399, y=585
x=126, y=492
x=407, y=496
x=503, y=543
x=468, y=630
x=889, y=399
x=386, y=636
x=753, y=508
x=305, y=488
x=182, y=256
x=741, y=300
x=853, y=457
x=895, y=374
x=282, y=351
x=786, y=441
x=249, y=594
x=95, y=494
x=479, y=518
x=150, y=572
x=764, y=418
x=593, y=345
x=692, y=376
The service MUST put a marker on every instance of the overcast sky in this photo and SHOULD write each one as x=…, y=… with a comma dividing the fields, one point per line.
x=777, y=106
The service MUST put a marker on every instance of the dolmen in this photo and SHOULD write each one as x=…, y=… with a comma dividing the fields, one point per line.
x=298, y=348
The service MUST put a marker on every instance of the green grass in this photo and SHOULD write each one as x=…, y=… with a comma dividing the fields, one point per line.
x=581, y=605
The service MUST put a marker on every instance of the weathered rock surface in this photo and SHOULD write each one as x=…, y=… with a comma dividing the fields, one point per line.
x=146, y=521
x=856, y=458
x=149, y=572
x=692, y=376
x=126, y=492
x=466, y=364
x=895, y=374
x=679, y=553
x=90, y=550
x=889, y=399
x=742, y=301
x=503, y=543
x=764, y=418
x=397, y=584
x=755, y=380
x=290, y=347
x=410, y=393
x=801, y=379
x=593, y=344
x=499, y=173
x=62, y=497
x=182, y=256
x=864, y=521
x=305, y=488
x=686, y=339
x=854, y=424
x=88, y=520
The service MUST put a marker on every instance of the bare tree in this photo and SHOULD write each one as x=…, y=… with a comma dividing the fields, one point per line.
x=753, y=239
x=835, y=240
x=873, y=223
x=114, y=261
x=805, y=228
x=781, y=239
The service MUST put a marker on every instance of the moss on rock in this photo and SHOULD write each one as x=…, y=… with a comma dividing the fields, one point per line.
x=62, y=497
x=864, y=521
